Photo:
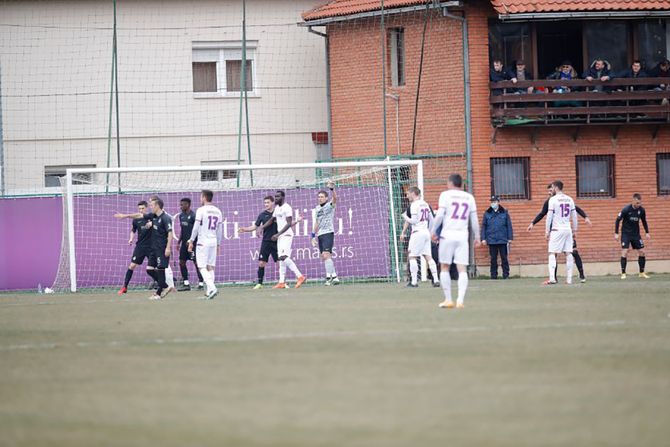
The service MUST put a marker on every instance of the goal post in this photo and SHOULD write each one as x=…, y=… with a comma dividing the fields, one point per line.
x=95, y=250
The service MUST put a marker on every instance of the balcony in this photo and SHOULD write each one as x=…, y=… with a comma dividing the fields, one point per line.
x=588, y=103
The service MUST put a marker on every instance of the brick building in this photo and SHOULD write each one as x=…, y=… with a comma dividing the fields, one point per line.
x=604, y=150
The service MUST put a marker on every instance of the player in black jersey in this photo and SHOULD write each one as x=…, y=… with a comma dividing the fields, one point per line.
x=142, y=247
x=268, y=246
x=632, y=215
x=186, y=220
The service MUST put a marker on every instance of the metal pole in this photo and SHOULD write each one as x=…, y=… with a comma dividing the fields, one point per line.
x=69, y=209
x=109, y=127
x=418, y=84
x=383, y=60
x=243, y=87
x=394, y=231
x=2, y=144
x=116, y=82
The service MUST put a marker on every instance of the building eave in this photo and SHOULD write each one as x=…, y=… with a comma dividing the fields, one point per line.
x=583, y=15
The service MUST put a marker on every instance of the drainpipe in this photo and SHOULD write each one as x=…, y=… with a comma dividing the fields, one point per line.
x=396, y=98
x=328, y=100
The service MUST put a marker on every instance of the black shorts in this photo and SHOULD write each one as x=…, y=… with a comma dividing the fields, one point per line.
x=632, y=241
x=184, y=254
x=326, y=242
x=574, y=242
x=268, y=248
x=157, y=259
x=139, y=254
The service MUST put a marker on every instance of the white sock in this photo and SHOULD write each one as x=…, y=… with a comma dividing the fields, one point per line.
x=186, y=283
x=433, y=269
x=552, y=267
x=462, y=286
x=282, y=271
x=294, y=268
x=445, y=280
x=169, y=277
x=209, y=281
x=569, y=264
x=330, y=268
x=413, y=269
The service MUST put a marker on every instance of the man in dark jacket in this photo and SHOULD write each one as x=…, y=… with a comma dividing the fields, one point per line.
x=497, y=73
x=634, y=72
x=519, y=73
x=599, y=70
x=497, y=233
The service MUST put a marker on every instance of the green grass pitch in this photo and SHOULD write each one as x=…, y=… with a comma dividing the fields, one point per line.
x=353, y=365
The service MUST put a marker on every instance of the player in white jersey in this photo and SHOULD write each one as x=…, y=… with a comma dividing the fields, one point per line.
x=283, y=216
x=457, y=214
x=561, y=213
x=419, y=219
x=208, y=231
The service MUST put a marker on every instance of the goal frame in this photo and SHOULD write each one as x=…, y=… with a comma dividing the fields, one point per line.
x=386, y=163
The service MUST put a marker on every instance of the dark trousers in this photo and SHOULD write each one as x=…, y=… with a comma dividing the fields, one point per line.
x=494, y=251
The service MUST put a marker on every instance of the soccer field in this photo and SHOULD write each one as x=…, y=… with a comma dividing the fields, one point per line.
x=354, y=365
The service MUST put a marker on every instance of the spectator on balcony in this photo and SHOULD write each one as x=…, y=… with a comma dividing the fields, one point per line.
x=519, y=73
x=662, y=70
x=599, y=70
x=565, y=71
x=634, y=72
x=497, y=73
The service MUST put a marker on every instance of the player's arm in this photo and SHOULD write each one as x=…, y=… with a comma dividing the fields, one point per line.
x=437, y=222
x=550, y=218
x=196, y=230
x=405, y=226
x=482, y=236
x=540, y=216
x=168, y=247
x=289, y=224
x=583, y=214
x=129, y=216
x=474, y=224
x=619, y=217
x=643, y=218
x=573, y=216
x=248, y=229
x=219, y=236
x=333, y=194
x=268, y=223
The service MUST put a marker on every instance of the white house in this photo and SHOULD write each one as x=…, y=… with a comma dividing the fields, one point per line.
x=179, y=82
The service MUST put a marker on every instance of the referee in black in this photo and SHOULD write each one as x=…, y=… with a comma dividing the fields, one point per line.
x=632, y=215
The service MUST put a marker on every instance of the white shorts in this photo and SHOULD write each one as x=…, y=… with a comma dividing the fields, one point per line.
x=205, y=255
x=284, y=245
x=560, y=241
x=419, y=244
x=454, y=251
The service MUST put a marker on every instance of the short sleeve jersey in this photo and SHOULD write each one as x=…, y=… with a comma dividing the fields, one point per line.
x=281, y=214
x=270, y=230
x=459, y=206
x=631, y=218
x=419, y=210
x=325, y=216
x=143, y=233
x=161, y=226
x=186, y=221
x=210, y=218
x=562, y=206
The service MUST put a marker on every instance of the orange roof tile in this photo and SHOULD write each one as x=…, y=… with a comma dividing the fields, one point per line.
x=531, y=6
x=335, y=8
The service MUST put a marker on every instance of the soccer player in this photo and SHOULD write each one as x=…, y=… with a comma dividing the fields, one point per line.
x=324, y=230
x=632, y=215
x=283, y=217
x=420, y=217
x=268, y=246
x=575, y=253
x=457, y=212
x=142, y=247
x=208, y=232
x=559, y=232
x=186, y=221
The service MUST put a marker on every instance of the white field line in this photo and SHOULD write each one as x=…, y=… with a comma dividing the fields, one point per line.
x=316, y=335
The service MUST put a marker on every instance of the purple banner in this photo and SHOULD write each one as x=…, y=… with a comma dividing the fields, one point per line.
x=361, y=242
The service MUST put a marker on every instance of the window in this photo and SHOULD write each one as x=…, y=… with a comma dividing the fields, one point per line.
x=217, y=68
x=663, y=173
x=397, y=47
x=510, y=42
x=595, y=176
x=652, y=39
x=214, y=175
x=510, y=178
x=52, y=175
x=607, y=40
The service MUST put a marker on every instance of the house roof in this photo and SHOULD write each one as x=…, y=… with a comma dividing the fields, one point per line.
x=335, y=8
x=533, y=6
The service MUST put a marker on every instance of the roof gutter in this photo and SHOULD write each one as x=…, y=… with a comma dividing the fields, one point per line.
x=582, y=15
x=387, y=12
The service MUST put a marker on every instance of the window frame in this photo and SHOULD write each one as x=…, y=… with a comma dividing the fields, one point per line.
x=60, y=171
x=611, y=176
x=661, y=156
x=220, y=53
x=220, y=174
x=525, y=164
x=397, y=57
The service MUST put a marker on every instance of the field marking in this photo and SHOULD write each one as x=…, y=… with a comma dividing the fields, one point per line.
x=315, y=335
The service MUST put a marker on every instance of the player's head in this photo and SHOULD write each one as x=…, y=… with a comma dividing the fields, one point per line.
x=206, y=196
x=142, y=206
x=279, y=197
x=637, y=200
x=185, y=204
x=558, y=186
x=413, y=193
x=455, y=181
x=157, y=205
x=322, y=196
x=550, y=189
x=268, y=202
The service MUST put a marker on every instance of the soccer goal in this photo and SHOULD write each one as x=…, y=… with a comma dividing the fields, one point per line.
x=96, y=248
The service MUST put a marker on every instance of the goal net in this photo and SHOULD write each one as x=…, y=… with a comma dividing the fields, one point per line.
x=96, y=252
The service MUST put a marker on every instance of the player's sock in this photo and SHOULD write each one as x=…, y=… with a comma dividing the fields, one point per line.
x=569, y=264
x=330, y=268
x=294, y=268
x=624, y=261
x=433, y=269
x=261, y=274
x=129, y=275
x=152, y=274
x=462, y=286
x=641, y=261
x=200, y=278
x=578, y=263
x=184, y=273
x=205, y=278
x=208, y=276
x=413, y=269
x=282, y=271
x=169, y=277
x=445, y=281
x=552, y=267
x=160, y=275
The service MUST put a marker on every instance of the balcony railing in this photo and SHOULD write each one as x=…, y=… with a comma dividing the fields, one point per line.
x=614, y=102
